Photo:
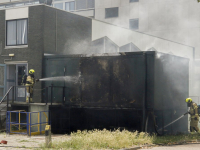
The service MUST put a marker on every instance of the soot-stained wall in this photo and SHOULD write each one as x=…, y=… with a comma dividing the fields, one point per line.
x=134, y=80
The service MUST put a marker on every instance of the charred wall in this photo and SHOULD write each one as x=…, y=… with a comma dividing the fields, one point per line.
x=148, y=82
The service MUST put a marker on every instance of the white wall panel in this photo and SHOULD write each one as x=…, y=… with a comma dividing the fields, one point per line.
x=124, y=3
x=143, y=18
x=85, y=13
x=193, y=15
x=115, y=3
x=16, y=13
x=152, y=16
x=122, y=36
x=4, y=1
x=99, y=4
x=134, y=10
x=100, y=14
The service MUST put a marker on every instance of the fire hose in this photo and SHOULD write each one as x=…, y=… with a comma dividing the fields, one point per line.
x=155, y=125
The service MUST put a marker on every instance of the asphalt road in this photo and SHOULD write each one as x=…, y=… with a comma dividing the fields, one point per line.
x=176, y=147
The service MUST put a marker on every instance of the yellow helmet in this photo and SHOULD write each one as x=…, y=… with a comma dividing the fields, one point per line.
x=188, y=100
x=31, y=71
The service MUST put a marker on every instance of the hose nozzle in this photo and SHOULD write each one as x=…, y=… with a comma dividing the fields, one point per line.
x=37, y=80
x=186, y=113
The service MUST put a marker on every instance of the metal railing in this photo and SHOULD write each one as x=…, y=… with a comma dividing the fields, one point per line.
x=28, y=123
x=12, y=94
x=49, y=95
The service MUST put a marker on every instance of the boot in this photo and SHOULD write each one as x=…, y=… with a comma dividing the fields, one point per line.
x=27, y=99
x=193, y=133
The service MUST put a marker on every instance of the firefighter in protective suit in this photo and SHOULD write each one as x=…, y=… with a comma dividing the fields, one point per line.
x=194, y=116
x=30, y=80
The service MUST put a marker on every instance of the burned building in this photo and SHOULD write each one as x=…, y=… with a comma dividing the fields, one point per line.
x=59, y=43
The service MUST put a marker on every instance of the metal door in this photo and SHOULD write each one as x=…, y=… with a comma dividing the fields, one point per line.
x=2, y=80
x=21, y=70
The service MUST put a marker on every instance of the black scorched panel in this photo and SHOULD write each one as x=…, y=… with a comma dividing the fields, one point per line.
x=95, y=81
x=128, y=81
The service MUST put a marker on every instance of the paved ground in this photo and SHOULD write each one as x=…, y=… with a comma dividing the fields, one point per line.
x=193, y=146
x=17, y=142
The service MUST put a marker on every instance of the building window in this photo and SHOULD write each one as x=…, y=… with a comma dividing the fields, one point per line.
x=132, y=1
x=134, y=24
x=70, y=6
x=58, y=5
x=9, y=5
x=2, y=7
x=16, y=32
x=90, y=4
x=84, y=4
x=19, y=4
x=111, y=12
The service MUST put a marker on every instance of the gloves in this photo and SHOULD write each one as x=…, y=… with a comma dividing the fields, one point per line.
x=195, y=118
x=36, y=80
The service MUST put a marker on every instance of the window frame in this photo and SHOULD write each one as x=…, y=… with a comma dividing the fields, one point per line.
x=75, y=3
x=63, y=3
x=16, y=31
x=70, y=2
x=114, y=16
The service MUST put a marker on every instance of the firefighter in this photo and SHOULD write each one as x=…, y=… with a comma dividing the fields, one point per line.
x=30, y=80
x=194, y=116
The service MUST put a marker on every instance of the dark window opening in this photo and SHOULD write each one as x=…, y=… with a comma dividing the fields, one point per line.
x=111, y=12
x=134, y=24
x=132, y=1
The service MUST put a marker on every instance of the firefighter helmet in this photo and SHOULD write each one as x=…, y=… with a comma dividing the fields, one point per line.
x=31, y=71
x=188, y=100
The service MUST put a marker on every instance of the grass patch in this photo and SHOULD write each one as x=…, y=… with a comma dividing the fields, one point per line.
x=103, y=139
x=176, y=139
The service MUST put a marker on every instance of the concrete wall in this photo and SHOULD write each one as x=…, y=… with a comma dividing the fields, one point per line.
x=42, y=115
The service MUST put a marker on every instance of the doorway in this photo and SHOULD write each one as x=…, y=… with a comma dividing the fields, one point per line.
x=15, y=73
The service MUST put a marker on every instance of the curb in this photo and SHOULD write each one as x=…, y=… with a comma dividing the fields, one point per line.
x=138, y=147
x=132, y=148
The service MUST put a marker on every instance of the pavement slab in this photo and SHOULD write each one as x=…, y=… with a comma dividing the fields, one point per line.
x=193, y=146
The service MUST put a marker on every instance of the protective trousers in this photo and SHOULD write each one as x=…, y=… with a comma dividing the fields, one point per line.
x=194, y=125
x=29, y=90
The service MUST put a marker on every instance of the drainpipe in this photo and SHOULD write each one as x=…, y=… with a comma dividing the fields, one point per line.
x=145, y=94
